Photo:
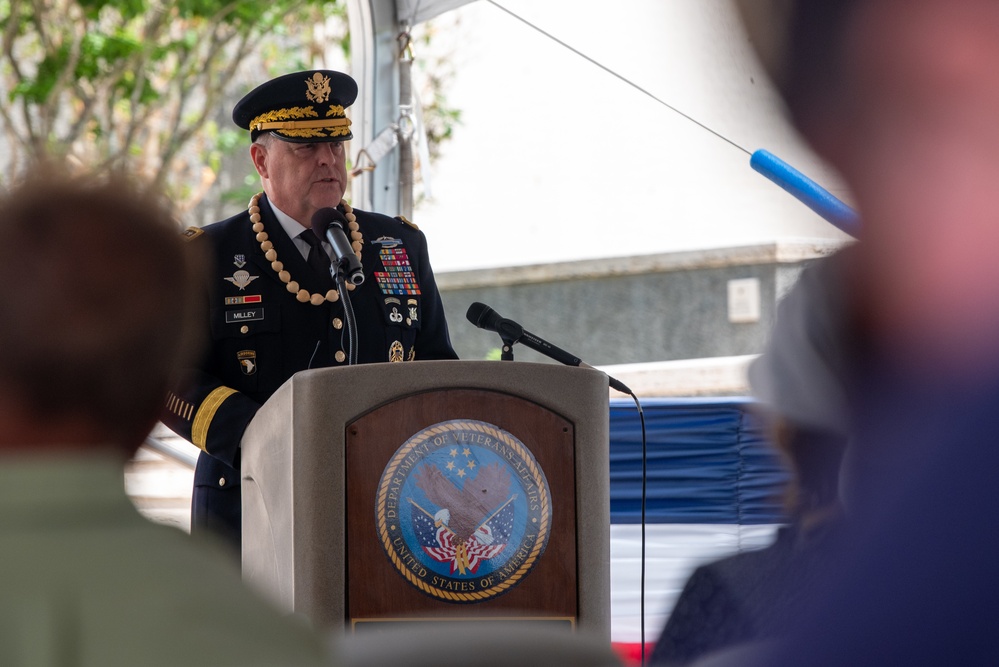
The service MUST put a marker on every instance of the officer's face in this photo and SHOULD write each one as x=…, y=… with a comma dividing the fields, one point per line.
x=301, y=178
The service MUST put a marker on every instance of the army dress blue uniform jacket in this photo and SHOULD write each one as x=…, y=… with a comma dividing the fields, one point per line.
x=260, y=335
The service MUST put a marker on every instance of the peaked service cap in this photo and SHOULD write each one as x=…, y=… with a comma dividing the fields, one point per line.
x=302, y=107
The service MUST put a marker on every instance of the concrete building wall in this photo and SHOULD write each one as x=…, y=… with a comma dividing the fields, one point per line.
x=636, y=309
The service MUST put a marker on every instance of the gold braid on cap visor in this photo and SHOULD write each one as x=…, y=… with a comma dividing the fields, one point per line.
x=279, y=120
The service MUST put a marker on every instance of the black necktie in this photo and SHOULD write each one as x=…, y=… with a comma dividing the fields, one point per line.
x=318, y=259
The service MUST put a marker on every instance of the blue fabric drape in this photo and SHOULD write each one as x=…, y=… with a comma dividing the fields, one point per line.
x=709, y=461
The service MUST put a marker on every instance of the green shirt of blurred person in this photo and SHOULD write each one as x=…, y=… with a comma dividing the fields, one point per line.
x=96, y=291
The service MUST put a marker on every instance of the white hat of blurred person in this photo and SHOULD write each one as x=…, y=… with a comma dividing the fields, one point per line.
x=799, y=376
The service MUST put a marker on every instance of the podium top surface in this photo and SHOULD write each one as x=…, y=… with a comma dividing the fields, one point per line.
x=546, y=384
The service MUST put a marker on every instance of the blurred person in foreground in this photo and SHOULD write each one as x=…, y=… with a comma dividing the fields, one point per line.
x=748, y=599
x=902, y=98
x=272, y=308
x=96, y=294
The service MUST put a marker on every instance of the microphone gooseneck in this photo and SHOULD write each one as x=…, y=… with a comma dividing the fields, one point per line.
x=329, y=223
x=346, y=267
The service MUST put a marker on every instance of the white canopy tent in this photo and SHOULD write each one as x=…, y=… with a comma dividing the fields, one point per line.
x=656, y=120
x=383, y=108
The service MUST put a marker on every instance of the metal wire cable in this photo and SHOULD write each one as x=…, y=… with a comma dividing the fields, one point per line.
x=619, y=76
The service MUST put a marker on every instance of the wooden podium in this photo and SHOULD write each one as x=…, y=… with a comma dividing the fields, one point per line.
x=432, y=492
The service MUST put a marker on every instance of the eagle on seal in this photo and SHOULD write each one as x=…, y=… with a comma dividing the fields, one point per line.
x=465, y=509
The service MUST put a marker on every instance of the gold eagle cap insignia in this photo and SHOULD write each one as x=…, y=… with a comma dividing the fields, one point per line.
x=318, y=88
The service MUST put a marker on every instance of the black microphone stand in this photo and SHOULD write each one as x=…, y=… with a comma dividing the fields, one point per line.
x=350, y=323
x=510, y=333
x=506, y=353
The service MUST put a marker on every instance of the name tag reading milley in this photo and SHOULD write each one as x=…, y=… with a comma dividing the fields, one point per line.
x=249, y=315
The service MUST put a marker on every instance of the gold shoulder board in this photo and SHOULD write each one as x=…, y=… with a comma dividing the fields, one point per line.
x=403, y=218
x=192, y=233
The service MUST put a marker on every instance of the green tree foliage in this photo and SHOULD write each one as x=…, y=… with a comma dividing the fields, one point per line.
x=433, y=76
x=138, y=84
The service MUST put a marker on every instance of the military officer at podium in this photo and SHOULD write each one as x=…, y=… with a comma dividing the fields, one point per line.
x=272, y=307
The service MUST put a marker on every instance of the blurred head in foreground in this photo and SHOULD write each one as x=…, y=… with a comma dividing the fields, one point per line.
x=800, y=385
x=96, y=293
x=900, y=96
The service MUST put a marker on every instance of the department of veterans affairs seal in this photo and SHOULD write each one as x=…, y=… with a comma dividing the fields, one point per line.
x=463, y=511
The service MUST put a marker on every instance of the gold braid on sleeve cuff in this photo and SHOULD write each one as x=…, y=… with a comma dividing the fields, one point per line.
x=206, y=413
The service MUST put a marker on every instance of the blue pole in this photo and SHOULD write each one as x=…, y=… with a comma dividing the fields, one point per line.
x=807, y=191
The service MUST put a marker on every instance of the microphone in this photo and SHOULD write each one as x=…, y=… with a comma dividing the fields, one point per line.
x=331, y=224
x=486, y=318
